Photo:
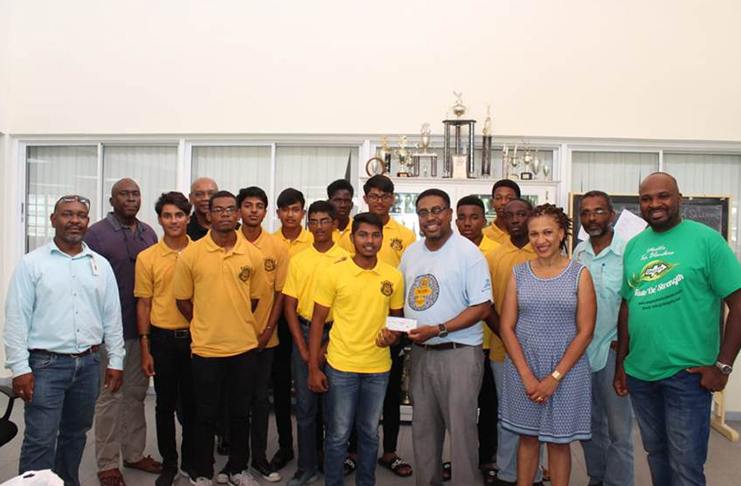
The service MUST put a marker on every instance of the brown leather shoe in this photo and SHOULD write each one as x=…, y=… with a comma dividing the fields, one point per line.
x=146, y=464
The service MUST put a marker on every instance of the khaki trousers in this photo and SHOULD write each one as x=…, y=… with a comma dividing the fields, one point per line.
x=120, y=427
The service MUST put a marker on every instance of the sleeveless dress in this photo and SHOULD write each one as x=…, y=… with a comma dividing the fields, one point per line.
x=546, y=325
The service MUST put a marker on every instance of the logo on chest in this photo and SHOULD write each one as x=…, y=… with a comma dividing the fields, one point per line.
x=396, y=244
x=424, y=292
x=387, y=288
x=244, y=273
x=270, y=264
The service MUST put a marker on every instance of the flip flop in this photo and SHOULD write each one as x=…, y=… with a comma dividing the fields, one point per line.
x=397, y=466
x=111, y=477
x=447, y=471
x=349, y=466
x=490, y=476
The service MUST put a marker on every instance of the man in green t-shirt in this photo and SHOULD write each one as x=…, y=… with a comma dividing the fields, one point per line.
x=670, y=353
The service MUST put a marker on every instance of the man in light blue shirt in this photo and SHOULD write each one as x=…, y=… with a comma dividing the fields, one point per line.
x=448, y=292
x=609, y=454
x=62, y=303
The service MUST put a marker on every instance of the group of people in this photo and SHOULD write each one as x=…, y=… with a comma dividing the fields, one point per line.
x=514, y=344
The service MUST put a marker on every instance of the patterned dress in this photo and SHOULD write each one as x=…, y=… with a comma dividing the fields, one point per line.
x=546, y=325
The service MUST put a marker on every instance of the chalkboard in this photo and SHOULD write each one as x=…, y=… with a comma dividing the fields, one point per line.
x=713, y=211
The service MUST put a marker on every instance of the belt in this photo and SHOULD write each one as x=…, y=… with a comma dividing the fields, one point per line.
x=442, y=346
x=307, y=323
x=176, y=333
x=68, y=355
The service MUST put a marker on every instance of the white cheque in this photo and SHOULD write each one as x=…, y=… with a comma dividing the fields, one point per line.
x=400, y=324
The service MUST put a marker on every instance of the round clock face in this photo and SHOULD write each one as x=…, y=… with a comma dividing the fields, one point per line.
x=375, y=166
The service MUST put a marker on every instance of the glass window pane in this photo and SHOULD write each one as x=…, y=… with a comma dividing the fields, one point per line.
x=710, y=175
x=612, y=172
x=233, y=167
x=54, y=172
x=154, y=168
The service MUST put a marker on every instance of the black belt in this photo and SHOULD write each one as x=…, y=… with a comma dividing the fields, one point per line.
x=307, y=323
x=175, y=333
x=442, y=346
x=68, y=355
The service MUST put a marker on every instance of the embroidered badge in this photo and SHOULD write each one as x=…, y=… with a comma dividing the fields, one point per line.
x=244, y=274
x=387, y=288
x=270, y=264
x=396, y=244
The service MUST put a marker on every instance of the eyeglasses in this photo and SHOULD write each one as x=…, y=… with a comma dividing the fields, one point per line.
x=320, y=222
x=228, y=210
x=378, y=197
x=596, y=212
x=72, y=198
x=423, y=213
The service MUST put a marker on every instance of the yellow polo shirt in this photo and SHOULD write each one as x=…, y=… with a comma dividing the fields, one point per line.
x=275, y=258
x=303, y=273
x=501, y=262
x=305, y=240
x=493, y=232
x=360, y=300
x=155, y=268
x=396, y=239
x=486, y=246
x=337, y=234
x=221, y=285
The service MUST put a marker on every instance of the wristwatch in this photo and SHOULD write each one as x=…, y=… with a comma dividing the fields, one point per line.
x=444, y=332
x=724, y=368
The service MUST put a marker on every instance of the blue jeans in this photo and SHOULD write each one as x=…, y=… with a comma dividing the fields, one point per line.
x=61, y=413
x=673, y=415
x=358, y=398
x=609, y=455
x=307, y=407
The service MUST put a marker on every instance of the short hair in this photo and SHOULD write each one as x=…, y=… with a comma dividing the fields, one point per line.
x=471, y=200
x=218, y=195
x=601, y=194
x=563, y=221
x=433, y=192
x=380, y=182
x=322, y=206
x=252, y=191
x=339, y=185
x=175, y=198
x=290, y=196
x=524, y=201
x=507, y=183
x=367, y=218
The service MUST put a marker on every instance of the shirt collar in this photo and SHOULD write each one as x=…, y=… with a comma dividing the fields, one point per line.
x=117, y=226
x=616, y=246
x=166, y=250
x=303, y=237
x=86, y=251
x=356, y=270
x=238, y=246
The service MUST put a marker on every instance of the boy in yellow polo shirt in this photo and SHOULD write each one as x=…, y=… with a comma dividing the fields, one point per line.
x=379, y=196
x=340, y=194
x=218, y=283
x=471, y=219
x=502, y=192
x=164, y=335
x=361, y=291
x=253, y=205
x=303, y=272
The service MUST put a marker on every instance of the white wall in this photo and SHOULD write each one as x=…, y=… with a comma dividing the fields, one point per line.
x=663, y=69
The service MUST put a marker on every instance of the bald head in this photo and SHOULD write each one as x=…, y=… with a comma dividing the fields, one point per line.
x=200, y=192
x=660, y=201
x=123, y=183
x=126, y=200
x=662, y=178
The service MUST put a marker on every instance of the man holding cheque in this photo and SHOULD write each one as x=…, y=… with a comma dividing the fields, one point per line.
x=361, y=291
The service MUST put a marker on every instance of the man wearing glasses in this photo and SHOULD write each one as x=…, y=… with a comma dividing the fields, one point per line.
x=62, y=304
x=120, y=426
x=218, y=282
x=448, y=293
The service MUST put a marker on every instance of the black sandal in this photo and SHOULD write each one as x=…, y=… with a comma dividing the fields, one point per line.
x=395, y=466
x=447, y=471
x=349, y=466
x=490, y=476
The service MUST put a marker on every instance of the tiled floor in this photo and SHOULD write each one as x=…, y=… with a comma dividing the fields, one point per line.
x=723, y=467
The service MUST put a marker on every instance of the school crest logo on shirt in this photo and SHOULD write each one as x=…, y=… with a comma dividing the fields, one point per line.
x=396, y=244
x=387, y=288
x=244, y=273
x=270, y=264
x=423, y=292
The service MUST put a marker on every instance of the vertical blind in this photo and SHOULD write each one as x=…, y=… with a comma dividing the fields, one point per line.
x=233, y=167
x=612, y=172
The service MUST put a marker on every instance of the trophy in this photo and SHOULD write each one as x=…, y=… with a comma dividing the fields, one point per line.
x=458, y=152
x=486, y=144
x=424, y=154
x=386, y=154
x=536, y=164
x=404, y=158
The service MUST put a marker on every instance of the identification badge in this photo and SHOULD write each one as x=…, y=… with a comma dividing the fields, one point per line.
x=400, y=324
x=94, y=266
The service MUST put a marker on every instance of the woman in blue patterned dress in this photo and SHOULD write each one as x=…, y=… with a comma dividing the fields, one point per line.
x=546, y=324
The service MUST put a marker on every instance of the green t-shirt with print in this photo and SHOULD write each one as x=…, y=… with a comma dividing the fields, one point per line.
x=673, y=283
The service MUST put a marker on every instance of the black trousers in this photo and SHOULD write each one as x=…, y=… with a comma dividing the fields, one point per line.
x=236, y=375
x=281, y=376
x=260, y=411
x=488, y=409
x=173, y=382
x=391, y=405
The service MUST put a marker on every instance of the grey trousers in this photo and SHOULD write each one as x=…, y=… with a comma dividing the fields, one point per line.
x=120, y=427
x=445, y=388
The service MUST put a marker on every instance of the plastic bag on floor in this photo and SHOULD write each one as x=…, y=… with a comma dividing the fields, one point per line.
x=35, y=478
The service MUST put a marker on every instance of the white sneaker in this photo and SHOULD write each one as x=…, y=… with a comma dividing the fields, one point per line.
x=200, y=481
x=243, y=479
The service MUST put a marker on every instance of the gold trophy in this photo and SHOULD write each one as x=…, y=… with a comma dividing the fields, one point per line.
x=424, y=154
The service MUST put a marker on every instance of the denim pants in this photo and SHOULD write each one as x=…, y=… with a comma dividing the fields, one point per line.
x=609, y=454
x=61, y=413
x=261, y=406
x=353, y=398
x=308, y=406
x=673, y=415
